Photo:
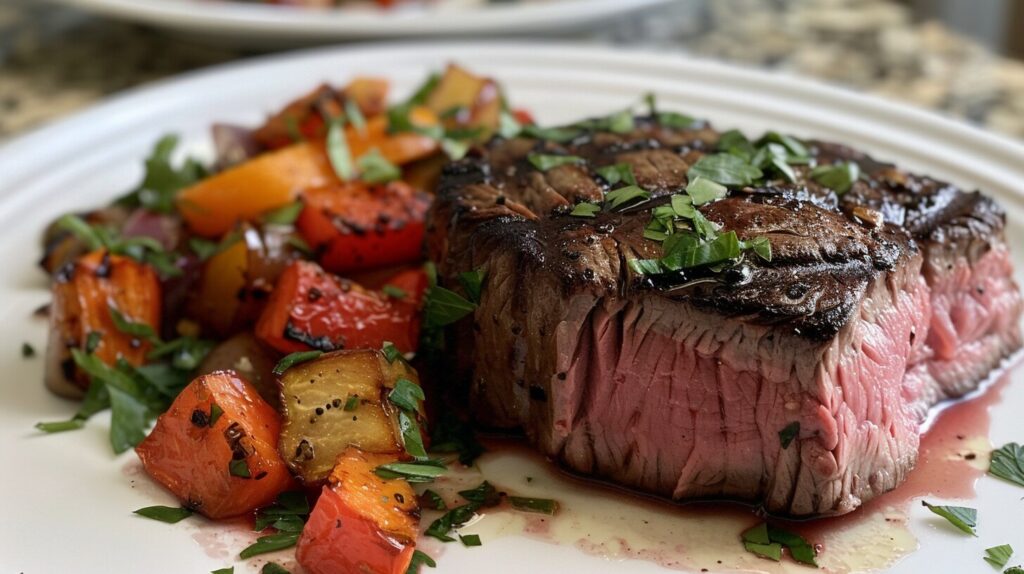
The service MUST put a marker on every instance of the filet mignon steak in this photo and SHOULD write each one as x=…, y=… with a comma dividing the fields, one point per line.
x=798, y=384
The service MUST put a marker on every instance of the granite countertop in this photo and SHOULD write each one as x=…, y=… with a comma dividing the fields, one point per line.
x=54, y=61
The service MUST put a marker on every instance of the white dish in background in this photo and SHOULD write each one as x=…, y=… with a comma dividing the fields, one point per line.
x=67, y=501
x=256, y=24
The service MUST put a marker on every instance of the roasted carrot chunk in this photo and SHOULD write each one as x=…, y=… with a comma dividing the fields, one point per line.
x=362, y=523
x=86, y=294
x=400, y=147
x=215, y=205
x=312, y=309
x=216, y=448
x=356, y=226
x=370, y=94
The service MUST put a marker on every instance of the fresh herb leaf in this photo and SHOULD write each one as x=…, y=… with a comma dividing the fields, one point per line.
x=228, y=570
x=682, y=205
x=270, y=543
x=273, y=568
x=585, y=210
x=454, y=148
x=419, y=471
x=419, y=558
x=420, y=95
x=203, y=248
x=675, y=120
x=538, y=505
x=412, y=436
x=137, y=330
x=684, y=250
x=239, y=468
x=771, y=551
x=760, y=246
x=391, y=352
x=757, y=534
x=646, y=266
x=1014, y=570
x=284, y=215
x=623, y=195
x=965, y=519
x=355, y=116
x=289, y=506
x=444, y=307
x=791, y=144
x=619, y=122
x=473, y=283
x=454, y=518
x=92, y=341
x=998, y=556
x=615, y=173
x=61, y=426
x=375, y=168
x=129, y=417
x=293, y=359
x=484, y=495
x=338, y=152
x=27, y=351
x=508, y=126
x=394, y=292
x=703, y=191
x=432, y=500
x=352, y=403
x=787, y=434
x=839, y=177
x=168, y=514
x=725, y=169
x=162, y=181
x=215, y=413
x=1007, y=463
x=83, y=231
x=557, y=135
x=406, y=395
x=470, y=540
x=733, y=142
x=544, y=162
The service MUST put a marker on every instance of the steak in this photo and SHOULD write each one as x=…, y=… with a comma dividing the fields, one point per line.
x=797, y=384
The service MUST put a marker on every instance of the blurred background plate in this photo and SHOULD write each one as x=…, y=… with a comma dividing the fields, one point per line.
x=257, y=24
x=69, y=488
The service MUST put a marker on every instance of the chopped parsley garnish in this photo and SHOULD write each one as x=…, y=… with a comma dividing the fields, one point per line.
x=394, y=292
x=701, y=191
x=544, y=162
x=355, y=116
x=412, y=436
x=375, y=168
x=273, y=568
x=143, y=249
x=585, y=210
x=92, y=341
x=473, y=283
x=419, y=558
x=352, y=403
x=618, y=122
x=1008, y=463
x=61, y=426
x=470, y=540
x=675, y=120
x=444, y=307
x=390, y=351
x=27, y=351
x=623, y=195
x=998, y=556
x=293, y=359
x=787, y=434
x=270, y=543
x=162, y=181
x=432, y=500
x=965, y=519
x=480, y=497
x=615, y=173
x=839, y=177
x=228, y=570
x=1014, y=570
x=419, y=471
x=508, y=126
x=556, y=134
x=239, y=468
x=285, y=215
x=338, y=152
x=168, y=514
x=289, y=507
x=406, y=395
x=725, y=169
x=538, y=505
x=135, y=329
x=767, y=541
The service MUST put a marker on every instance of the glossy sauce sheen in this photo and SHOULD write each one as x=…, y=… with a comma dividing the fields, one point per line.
x=617, y=525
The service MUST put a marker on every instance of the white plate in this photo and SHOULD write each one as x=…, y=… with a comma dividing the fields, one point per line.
x=257, y=23
x=67, y=500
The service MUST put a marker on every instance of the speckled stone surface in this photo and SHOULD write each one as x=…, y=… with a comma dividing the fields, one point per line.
x=54, y=61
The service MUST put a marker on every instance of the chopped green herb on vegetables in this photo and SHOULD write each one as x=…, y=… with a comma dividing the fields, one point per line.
x=293, y=359
x=375, y=168
x=338, y=152
x=283, y=215
x=585, y=210
x=419, y=471
x=419, y=558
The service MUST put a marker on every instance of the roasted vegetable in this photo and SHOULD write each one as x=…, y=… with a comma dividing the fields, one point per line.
x=355, y=226
x=252, y=360
x=339, y=400
x=236, y=282
x=215, y=448
x=398, y=148
x=464, y=100
x=312, y=309
x=61, y=246
x=370, y=94
x=216, y=204
x=362, y=524
x=86, y=294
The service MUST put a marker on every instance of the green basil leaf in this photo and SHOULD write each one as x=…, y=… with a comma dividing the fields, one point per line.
x=138, y=330
x=675, y=120
x=412, y=436
x=557, y=135
x=168, y=514
x=646, y=266
x=470, y=540
x=617, y=197
x=406, y=395
x=965, y=519
x=355, y=116
x=682, y=205
x=760, y=246
x=293, y=359
x=270, y=543
x=273, y=568
x=391, y=352
x=483, y=495
x=791, y=144
x=544, y=162
x=338, y=152
x=508, y=125
x=472, y=282
x=419, y=471
x=683, y=251
x=998, y=556
x=733, y=142
x=725, y=169
x=703, y=191
x=228, y=570
x=129, y=418
x=538, y=505
x=840, y=177
x=432, y=500
x=799, y=549
x=284, y=215
x=771, y=551
x=615, y=173
x=444, y=307
x=1007, y=463
x=375, y=168
x=83, y=231
x=757, y=534
x=585, y=210
x=419, y=558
